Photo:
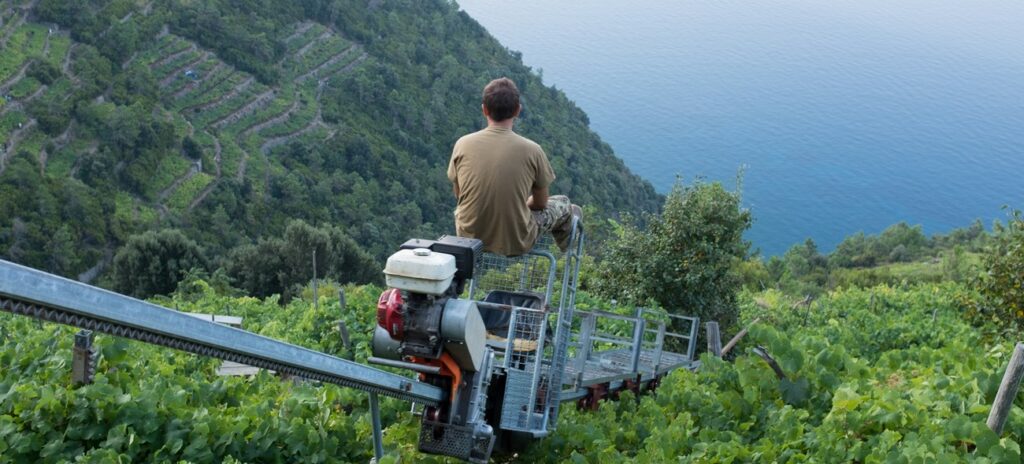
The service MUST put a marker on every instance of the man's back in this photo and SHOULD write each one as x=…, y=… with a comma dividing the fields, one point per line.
x=495, y=171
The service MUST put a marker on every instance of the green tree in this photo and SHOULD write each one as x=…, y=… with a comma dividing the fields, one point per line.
x=805, y=269
x=954, y=265
x=279, y=265
x=60, y=251
x=152, y=263
x=683, y=261
x=1002, y=284
x=911, y=238
x=853, y=251
x=43, y=71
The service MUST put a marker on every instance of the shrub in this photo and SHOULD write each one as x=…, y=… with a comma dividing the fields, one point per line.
x=282, y=265
x=1002, y=284
x=152, y=263
x=684, y=260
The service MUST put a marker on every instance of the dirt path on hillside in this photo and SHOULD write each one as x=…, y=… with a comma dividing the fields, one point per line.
x=18, y=23
x=6, y=86
x=305, y=48
x=240, y=175
x=212, y=185
x=226, y=97
x=176, y=73
x=173, y=56
x=272, y=121
x=165, y=193
x=275, y=142
x=305, y=26
x=260, y=101
x=198, y=83
x=328, y=62
x=12, y=144
x=216, y=154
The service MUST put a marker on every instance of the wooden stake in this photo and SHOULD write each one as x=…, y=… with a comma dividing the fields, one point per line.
x=1007, y=391
x=739, y=336
x=316, y=294
x=714, y=339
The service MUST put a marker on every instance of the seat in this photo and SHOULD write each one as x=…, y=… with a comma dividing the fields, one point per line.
x=497, y=320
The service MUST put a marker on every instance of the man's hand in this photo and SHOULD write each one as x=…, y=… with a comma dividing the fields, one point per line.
x=539, y=200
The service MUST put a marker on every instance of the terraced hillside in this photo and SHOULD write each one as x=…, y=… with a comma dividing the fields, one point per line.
x=24, y=44
x=236, y=121
x=222, y=106
x=227, y=121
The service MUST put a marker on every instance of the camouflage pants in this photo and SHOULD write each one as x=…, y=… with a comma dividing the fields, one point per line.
x=556, y=218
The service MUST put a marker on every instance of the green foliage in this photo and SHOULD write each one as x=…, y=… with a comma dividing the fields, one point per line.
x=281, y=265
x=1002, y=284
x=957, y=265
x=154, y=262
x=152, y=404
x=683, y=260
x=43, y=71
x=188, y=191
x=901, y=254
x=360, y=142
x=873, y=375
x=868, y=380
x=897, y=243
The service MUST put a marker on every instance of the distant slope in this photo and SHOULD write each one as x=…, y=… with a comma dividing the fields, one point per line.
x=227, y=119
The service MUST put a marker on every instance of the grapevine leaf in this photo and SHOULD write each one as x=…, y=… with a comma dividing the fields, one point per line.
x=985, y=438
x=845, y=399
x=795, y=393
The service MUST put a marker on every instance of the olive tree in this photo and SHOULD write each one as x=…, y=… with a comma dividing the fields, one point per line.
x=683, y=260
x=152, y=263
x=1002, y=284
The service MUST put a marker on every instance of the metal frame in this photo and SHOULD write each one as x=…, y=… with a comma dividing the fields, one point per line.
x=563, y=331
x=33, y=293
x=534, y=375
x=662, y=332
x=605, y=361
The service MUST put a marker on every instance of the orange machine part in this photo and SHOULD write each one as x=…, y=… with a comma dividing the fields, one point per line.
x=449, y=368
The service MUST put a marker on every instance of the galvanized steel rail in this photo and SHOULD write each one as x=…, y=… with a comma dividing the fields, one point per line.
x=37, y=294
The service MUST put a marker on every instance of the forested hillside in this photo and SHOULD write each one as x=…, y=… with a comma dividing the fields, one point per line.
x=228, y=119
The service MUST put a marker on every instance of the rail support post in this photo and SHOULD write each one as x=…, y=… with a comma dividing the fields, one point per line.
x=83, y=359
x=1007, y=391
x=638, y=342
x=378, y=436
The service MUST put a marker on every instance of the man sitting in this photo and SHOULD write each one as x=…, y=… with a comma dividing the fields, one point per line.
x=501, y=181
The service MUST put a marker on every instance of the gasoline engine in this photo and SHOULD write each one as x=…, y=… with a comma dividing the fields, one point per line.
x=423, y=325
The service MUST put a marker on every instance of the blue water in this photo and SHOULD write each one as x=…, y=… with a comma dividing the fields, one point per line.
x=848, y=115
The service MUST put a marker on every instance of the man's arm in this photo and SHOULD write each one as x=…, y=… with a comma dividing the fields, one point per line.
x=453, y=172
x=543, y=176
x=539, y=200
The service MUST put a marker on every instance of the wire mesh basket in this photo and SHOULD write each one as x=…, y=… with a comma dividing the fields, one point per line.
x=532, y=273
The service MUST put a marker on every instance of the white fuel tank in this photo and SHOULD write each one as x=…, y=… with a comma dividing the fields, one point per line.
x=420, y=271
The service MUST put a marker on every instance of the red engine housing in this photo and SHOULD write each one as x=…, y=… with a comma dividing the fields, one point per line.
x=389, y=313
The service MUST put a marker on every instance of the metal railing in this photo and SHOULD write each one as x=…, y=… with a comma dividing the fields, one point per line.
x=610, y=346
x=537, y=340
x=659, y=323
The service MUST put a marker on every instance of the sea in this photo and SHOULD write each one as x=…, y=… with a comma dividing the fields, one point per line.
x=842, y=116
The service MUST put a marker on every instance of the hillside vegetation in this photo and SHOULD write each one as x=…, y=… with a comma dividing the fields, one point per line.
x=221, y=145
x=228, y=119
x=873, y=375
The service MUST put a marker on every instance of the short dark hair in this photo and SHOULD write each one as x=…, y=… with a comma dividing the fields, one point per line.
x=501, y=98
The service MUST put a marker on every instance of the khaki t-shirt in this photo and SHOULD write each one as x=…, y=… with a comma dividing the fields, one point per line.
x=496, y=170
